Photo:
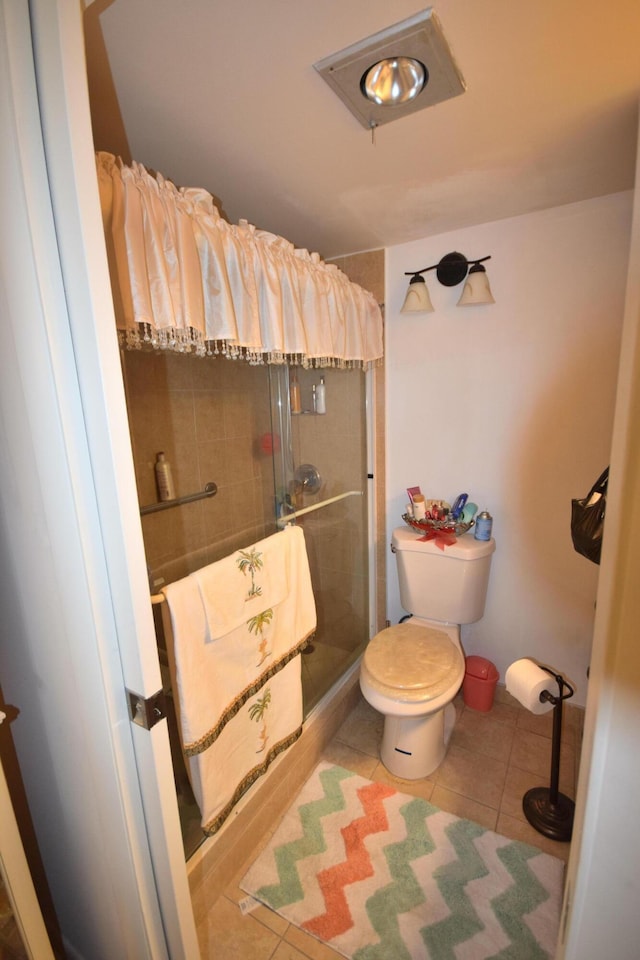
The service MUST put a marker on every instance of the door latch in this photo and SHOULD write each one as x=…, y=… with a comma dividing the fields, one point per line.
x=147, y=712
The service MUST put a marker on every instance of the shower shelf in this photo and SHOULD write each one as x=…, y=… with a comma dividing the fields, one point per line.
x=210, y=490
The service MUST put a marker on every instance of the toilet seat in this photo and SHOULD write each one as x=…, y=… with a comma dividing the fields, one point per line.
x=412, y=662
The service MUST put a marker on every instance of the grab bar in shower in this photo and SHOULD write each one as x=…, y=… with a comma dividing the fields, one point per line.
x=210, y=490
x=318, y=506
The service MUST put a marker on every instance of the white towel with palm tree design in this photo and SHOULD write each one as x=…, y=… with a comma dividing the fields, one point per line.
x=235, y=630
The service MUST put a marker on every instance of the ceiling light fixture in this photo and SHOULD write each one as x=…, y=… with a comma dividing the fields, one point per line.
x=451, y=270
x=397, y=71
x=394, y=80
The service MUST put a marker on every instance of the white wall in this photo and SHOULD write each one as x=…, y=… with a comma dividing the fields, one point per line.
x=513, y=404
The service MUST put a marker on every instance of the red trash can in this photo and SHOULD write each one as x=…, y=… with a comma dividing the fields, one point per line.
x=479, y=684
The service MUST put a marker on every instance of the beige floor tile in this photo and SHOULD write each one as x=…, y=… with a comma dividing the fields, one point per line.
x=286, y=951
x=362, y=729
x=532, y=753
x=270, y=919
x=542, y=724
x=309, y=946
x=472, y=775
x=482, y=734
x=502, y=696
x=225, y=934
x=516, y=785
x=506, y=713
x=464, y=807
x=345, y=756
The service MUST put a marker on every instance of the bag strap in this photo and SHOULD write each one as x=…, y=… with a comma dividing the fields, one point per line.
x=600, y=485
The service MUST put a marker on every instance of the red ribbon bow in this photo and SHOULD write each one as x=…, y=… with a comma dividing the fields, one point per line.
x=443, y=537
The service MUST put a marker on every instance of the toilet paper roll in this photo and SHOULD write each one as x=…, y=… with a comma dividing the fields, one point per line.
x=525, y=681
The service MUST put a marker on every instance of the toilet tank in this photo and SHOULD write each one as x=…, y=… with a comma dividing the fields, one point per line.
x=448, y=585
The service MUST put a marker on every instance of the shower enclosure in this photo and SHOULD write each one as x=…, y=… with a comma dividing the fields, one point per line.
x=229, y=423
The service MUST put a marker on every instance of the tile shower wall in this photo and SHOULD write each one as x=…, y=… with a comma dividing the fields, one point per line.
x=207, y=414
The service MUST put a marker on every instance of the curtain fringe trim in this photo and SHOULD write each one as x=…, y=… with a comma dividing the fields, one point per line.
x=179, y=341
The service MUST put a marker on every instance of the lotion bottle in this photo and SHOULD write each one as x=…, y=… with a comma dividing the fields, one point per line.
x=321, y=403
x=164, y=480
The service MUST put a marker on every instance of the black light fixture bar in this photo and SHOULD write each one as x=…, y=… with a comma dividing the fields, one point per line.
x=450, y=270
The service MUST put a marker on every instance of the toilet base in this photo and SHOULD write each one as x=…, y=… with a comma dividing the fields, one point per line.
x=413, y=747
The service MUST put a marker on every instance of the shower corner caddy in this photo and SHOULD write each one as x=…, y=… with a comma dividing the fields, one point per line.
x=210, y=490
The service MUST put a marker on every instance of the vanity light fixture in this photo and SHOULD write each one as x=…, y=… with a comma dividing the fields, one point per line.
x=450, y=271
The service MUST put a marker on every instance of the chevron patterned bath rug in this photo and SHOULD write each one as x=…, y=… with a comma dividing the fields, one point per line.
x=380, y=875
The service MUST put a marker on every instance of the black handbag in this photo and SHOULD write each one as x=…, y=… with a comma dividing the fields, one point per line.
x=587, y=519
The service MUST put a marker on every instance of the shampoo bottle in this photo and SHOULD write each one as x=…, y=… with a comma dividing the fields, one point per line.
x=164, y=480
x=294, y=394
x=321, y=403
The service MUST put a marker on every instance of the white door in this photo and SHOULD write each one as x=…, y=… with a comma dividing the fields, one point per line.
x=78, y=629
x=602, y=891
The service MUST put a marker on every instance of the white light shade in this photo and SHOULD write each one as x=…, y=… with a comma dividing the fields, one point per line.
x=476, y=289
x=417, y=299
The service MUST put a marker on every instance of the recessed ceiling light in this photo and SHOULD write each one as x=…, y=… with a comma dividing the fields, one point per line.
x=379, y=79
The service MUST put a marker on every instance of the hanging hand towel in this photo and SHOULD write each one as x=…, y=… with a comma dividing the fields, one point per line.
x=247, y=583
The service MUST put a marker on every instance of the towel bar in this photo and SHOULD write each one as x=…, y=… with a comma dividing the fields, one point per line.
x=318, y=506
x=210, y=490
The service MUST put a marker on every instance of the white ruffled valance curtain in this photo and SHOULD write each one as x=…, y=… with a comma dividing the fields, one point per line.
x=187, y=280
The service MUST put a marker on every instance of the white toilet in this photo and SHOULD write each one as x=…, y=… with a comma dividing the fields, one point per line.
x=411, y=672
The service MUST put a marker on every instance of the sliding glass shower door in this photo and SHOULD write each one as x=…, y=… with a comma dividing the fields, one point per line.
x=320, y=467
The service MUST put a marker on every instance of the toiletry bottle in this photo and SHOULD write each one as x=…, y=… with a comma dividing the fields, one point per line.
x=164, y=480
x=294, y=394
x=314, y=399
x=321, y=402
x=419, y=507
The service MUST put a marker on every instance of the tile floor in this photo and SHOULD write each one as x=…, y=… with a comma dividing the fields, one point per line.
x=493, y=759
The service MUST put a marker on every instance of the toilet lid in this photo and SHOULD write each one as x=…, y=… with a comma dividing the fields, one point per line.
x=413, y=661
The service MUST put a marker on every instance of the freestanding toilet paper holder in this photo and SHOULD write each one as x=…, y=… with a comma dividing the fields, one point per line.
x=546, y=809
